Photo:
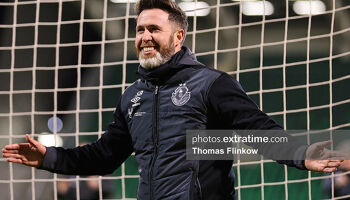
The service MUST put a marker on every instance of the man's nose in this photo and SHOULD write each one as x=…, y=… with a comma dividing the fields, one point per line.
x=147, y=36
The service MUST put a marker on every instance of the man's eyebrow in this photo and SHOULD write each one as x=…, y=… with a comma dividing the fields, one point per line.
x=153, y=26
x=148, y=26
x=138, y=27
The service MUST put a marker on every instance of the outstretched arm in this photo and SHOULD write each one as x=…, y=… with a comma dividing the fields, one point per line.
x=99, y=158
x=232, y=108
x=30, y=154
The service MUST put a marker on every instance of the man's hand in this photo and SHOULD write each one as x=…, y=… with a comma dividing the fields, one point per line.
x=320, y=159
x=31, y=153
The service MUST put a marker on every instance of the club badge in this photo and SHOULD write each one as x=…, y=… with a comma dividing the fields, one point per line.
x=181, y=95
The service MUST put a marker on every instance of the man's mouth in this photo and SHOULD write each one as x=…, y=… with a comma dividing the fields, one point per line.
x=148, y=50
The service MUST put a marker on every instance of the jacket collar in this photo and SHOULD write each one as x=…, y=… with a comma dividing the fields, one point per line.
x=182, y=59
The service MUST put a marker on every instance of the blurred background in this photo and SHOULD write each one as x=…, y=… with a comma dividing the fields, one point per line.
x=64, y=65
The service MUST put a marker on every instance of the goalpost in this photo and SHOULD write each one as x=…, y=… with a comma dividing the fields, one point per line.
x=64, y=65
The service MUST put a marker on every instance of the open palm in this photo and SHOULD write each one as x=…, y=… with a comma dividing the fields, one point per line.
x=320, y=159
x=31, y=153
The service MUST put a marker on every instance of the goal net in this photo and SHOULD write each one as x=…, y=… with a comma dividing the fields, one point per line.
x=64, y=65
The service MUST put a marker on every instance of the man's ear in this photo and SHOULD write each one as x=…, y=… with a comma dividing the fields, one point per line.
x=179, y=37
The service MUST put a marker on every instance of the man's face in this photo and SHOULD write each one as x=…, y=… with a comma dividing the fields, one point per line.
x=154, y=42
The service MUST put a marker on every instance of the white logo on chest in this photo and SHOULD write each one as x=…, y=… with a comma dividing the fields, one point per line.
x=135, y=103
x=181, y=95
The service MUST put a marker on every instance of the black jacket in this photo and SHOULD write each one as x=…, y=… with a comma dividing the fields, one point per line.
x=151, y=120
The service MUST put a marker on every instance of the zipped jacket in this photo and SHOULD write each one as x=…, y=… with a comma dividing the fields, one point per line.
x=151, y=120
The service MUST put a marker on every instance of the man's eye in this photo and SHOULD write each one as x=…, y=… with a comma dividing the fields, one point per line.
x=140, y=30
x=153, y=29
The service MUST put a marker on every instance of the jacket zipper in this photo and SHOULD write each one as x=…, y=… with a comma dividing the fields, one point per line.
x=155, y=138
x=199, y=188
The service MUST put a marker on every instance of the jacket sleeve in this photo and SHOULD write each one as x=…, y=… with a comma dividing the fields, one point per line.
x=99, y=158
x=231, y=108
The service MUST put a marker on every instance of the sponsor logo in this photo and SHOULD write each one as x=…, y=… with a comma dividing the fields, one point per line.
x=135, y=104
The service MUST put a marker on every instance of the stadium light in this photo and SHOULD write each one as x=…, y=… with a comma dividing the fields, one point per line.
x=198, y=8
x=49, y=140
x=59, y=124
x=309, y=7
x=123, y=1
x=257, y=8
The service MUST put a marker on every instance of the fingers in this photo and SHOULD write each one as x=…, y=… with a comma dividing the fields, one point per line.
x=10, y=151
x=19, y=145
x=11, y=147
x=335, y=154
x=31, y=140
x=324, y=144
x=14, y=160
x=330, y=169
x=14, y=148
x=331, y=166
x=323, y=165
x=334, y=163
x=20, y=161
x=12, y=155
x=41, y=148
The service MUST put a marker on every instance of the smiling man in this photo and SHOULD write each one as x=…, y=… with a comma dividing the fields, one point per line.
x=175, y=93
x=157, y=40
x=154, y=39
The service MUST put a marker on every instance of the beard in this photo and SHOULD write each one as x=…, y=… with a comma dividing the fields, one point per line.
x=161, y=56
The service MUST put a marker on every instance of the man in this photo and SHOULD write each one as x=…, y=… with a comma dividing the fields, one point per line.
x=175, y=93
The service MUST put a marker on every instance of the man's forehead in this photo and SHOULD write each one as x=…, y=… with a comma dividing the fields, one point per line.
x=153, y=17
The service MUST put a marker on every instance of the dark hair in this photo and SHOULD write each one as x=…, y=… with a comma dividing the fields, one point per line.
x=175, y=13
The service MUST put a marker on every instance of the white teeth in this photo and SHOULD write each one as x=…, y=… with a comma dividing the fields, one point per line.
x=146, y=49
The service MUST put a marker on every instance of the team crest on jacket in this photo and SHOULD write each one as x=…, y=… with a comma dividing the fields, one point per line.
x=181, y=95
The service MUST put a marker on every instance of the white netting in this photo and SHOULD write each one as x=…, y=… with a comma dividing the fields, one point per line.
x=73, y=59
